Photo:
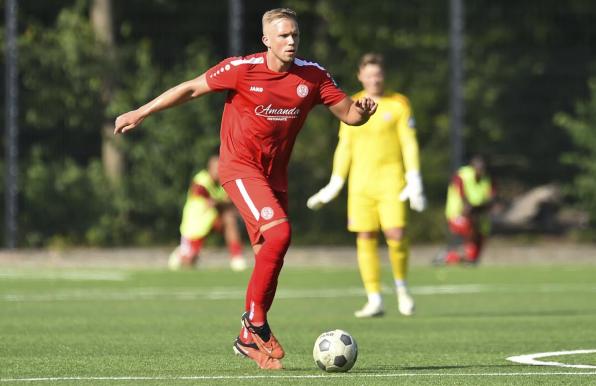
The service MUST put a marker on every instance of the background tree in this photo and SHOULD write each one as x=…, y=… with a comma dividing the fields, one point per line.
x=103, y=26
x=580, y=126
x=525, y=61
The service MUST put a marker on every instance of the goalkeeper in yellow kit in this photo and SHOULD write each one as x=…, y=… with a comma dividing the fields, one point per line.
x=382, y=159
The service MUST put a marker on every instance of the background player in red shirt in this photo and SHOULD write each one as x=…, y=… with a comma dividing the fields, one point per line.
x=269, y=97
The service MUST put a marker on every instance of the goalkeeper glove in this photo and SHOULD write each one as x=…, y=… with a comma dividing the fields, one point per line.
x=328, y=193
x=413, y=191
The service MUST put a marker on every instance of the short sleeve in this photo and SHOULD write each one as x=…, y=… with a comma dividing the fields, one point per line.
x=224, y=75
x=329, y=92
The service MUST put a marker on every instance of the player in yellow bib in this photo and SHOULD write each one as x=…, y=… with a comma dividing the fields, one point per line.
x=382, y=159
x=470, y=197
x=207, y=208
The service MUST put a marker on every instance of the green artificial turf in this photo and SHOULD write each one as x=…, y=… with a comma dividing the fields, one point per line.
x=84, y=326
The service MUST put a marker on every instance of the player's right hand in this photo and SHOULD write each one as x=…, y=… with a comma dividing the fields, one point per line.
x=328, y=193
x=128, y=121
x=314, y=202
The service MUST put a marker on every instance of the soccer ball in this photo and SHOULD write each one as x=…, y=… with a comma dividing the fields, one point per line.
x=335, y=351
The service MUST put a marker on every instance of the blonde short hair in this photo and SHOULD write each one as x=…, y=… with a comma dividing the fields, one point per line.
x=279, y=13
x=371, y=58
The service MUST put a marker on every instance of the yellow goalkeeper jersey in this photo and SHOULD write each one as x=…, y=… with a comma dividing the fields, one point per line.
x=378, y=153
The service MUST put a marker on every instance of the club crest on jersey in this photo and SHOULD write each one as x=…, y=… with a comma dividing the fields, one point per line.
x=302, y=90
x=267, y=213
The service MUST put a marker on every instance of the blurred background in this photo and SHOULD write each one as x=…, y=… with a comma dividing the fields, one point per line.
x=513, y=80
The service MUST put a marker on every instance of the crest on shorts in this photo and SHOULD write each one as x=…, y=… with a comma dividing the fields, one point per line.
x=302, y=90
x=267, y=213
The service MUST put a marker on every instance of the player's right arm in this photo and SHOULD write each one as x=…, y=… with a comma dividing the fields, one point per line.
x=179, y=94
x=342, y=158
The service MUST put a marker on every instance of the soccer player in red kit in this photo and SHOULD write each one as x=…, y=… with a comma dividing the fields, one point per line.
x=269, y=96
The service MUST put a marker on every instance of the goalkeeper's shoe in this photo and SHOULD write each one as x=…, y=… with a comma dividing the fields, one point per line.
x=264, y=338
x=251, y=351
x=405, y=302
x=370, y=310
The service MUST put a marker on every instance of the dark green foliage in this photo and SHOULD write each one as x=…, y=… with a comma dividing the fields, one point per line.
x=580, y=126
x=525, y=61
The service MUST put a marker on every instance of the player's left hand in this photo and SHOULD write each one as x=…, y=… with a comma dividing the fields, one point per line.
x=414, y=192
x=366, y=106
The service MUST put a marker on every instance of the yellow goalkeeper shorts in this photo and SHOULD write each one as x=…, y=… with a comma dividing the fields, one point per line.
x=367, y=213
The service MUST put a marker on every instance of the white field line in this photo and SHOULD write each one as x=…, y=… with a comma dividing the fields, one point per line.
x=530, y=359
x=305, y=376
x=92, y=275
x=231, y=293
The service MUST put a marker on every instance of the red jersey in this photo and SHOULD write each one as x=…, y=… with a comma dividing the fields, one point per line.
x=263, y=113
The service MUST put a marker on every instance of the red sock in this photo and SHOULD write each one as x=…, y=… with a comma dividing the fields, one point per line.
x=189, y=251
x=452, y=258
x=473, y=249
x=268, y=263
x=235, y=248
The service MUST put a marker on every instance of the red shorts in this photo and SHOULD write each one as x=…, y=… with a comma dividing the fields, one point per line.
x=461, y=226
x=257, y=203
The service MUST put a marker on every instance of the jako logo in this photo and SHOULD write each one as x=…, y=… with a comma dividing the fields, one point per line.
x=256, y=89
x=276, y=114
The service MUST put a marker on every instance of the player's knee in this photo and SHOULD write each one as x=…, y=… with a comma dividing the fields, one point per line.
x=396, y=234
x=279, y=236
x=399, y=244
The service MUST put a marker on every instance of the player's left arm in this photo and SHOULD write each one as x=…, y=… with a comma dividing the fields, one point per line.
x=354, y=113
x=199, y=190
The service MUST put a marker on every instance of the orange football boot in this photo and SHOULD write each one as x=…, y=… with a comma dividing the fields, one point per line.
x=251, y=351
x=264, y=338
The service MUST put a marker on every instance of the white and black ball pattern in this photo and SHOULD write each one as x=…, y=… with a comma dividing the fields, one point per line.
x=335, y=351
